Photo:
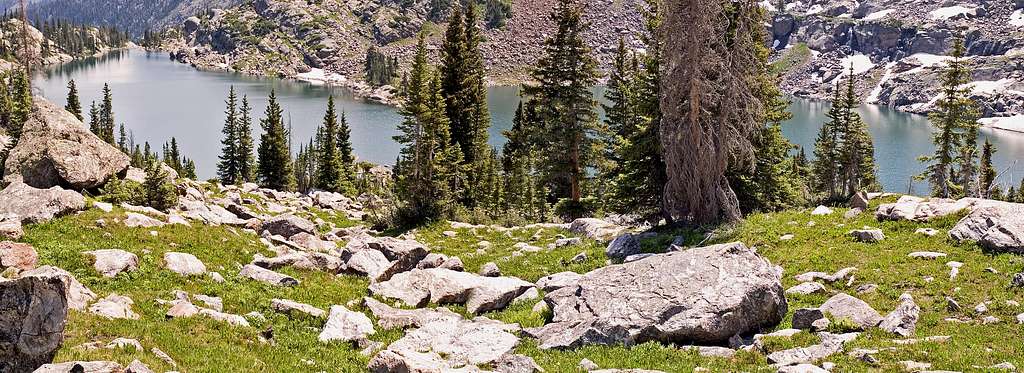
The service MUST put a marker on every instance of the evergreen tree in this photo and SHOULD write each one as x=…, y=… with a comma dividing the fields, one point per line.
x=159, y=192
x=954, y=119
x=473, y=143
x=175, y=157
x=274, y=164
x=228, y=169
x=190, y=169
x=567, y=122
x=410, y=167
x=347, y=183
x=826, y=167
x=95, y=120
x=245, y=160
x=122, y=140
x=106, y=123
x=74, y=106
x=988, y=172
x=857, y=151
x=329, y=168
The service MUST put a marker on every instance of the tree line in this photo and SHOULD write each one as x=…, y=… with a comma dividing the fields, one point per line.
x=67, y=37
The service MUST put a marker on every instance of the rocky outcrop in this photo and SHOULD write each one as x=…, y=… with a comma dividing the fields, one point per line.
x=33, y=205
x=56, y=149
x=446, y=344
x=443, y=286
x=998, y=227
x=921, y=209
x=704, y=295
x=78, y=296
x=345, y=325
x=33, y=312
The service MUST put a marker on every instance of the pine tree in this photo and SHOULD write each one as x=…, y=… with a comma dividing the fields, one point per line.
x=190, y=169
x=955, y=120
x=175, y=156
x=106, y=123
x=410, y=166
x=474, y=143
x=228, y=169
x=244, y=158
x=122, y=140
x=857, y=151
x=347, y=184
x=826, y=167
x=274, y=164
x=329, y=168
x=94, y=119
x=159, y=192
x=988, y=172
x=74, y=106
x=566, y=108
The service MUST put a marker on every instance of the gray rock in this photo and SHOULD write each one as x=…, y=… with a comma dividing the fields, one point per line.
x=596, y=229
x=802, y=368
x=235, y=320
x=56, y=149
x=432, y=260
x=867, y=235
x=830, y=344
x=346, y=325
x=78, y=296
x=291, y=307
x=926, y=255
x=114, y=307
x=845, y=306
x=446, y=344
x=34, y=205
x=806, y=288
x=33, y=313
x=703, y=295
x=20, y=256
x=184, y=264
x=903, y=320
x=999, y=227
x=490, y=269
x=111, y=262
x=515, y=363
x=804, y=318
x=1018, y=280
x=454, y=264
x=81, y=367
x=10, y=227
x=137, y=367
x=442, y=286
x=921, y=210
x=840, y=275
x=587, y=365
x=390, y=318
x=859, y=201
x=623, y=246
x=267, y=276
x=134, y=220
x=288, y=225
x=309, y=261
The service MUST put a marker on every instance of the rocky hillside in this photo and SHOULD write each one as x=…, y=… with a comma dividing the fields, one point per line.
x=246, y=279
x=47, y=51
x=898, y=48
x=328, y=40
x=135, y=16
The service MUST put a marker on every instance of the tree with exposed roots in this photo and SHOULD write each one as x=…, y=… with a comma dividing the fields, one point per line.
x=708, y=104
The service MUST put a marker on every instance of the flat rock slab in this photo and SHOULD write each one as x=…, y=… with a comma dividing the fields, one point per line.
x=391, y=318
x=996, y=226
x=702, y=295
x=926, y=255
x=830, y=344
x=136, y=220
x=34, y=205
x=267, y=276
x=17, y=255
x=446, y=344
x=346, y=325
x=82, y=367
x=78, y=295
x=480, y=294
x=291, y=307
x=921, y=210
x=33, y=313
x=807, y=288
x=114, y=307
x=288, y=225
x=184, y=264
x=558, y=280
x=596, y=229
x=111, y=262
x=843, y=305
x=841, y=274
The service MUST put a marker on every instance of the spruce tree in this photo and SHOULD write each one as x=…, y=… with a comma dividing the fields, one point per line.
x=159, y=192
x=566, y=108
x=106, y=123
x=274, y=164
x=954, y=119
x=74, y=106
x=410, y=166
x=95, y=120
x=347, y=184
x=175, y=156
x=329, y=168
x=857, y=151
x=478, y=120
x=988, y=173
x=228, y=169
x=244, y=158
x=826, y=167
x=122, y=140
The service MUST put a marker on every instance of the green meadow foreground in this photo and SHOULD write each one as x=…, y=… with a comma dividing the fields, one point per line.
x=818, y=243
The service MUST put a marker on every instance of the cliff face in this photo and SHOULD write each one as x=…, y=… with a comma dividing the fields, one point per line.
x=287, y=37
x=898, y=50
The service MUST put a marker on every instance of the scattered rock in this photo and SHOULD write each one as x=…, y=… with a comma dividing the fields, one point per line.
x=804, y=318
x=33, y=313
x=930, y=232
x=926, y=255
x=391, y=318
x=903, y=320
x=33, y=205
x=137, y=367
x=830, y=344
x=10, y=227
x=596, y=229
x=703, y=295
x=111, y=262
x=291, y=307
x=78, y=295
x=913, y=366
x=587, y=365
x=267, y=276
x=841, y=274
x=821, y=210
x=802, y=368
x=81, y=367
x=288, y=225
x=843, y=305
x=184, y=264
x=859, y=201
x=114, y=307
x=17, y=255
x=867, y=235
x=122, y=343
x=954, y=269
x=623, y=246
x=952, y=305
x=345, y=325
x=135, y=220
x=807, y=288
x=490, y=269
x=445, y=344
x=442, y=286
x=235, y=320
x=998, y=227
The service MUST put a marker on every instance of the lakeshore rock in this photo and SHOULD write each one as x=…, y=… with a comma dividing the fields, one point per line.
x=33, y=313
x=442, y=286
x=56, y=149
x=703, y=295
x=33, y=205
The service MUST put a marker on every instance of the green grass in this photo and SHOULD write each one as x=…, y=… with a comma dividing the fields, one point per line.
x=202, y=345
x=792, y=58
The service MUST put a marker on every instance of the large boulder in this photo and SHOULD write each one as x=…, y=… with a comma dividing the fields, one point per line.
x=443, y=286
x=78, y=296
x=56, y=149
x=34, y=205
x=998, y=227
x=346, y=325
x=110, y=262
x=920, y=209
x=703, y=295
x=288, y=225
x=33, y=312
x=845, y=306
x=447, y=344
x=596, y=229
x=17, y=255
x=623, y=246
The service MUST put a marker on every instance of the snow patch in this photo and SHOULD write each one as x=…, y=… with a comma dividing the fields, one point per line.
x=989, y=87
x=815, y=9
x=1014, y=123
x=1017, y=18
x=320, y=77
x=767, y=5
x=861, y=64
x=879, y=14
x=953, y=11
x=873, y=97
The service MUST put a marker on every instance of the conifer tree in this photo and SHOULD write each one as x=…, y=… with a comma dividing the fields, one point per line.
x=228, y=169
x=826, y=166
x=329, y=168
x=347, y=183
x=474, y=144
x=955, y=122
x=106, y=123
x=122, y=140
x=988, y=173
x=857, y=152
x=175, y=156
x=95, y=120
x=74, y=106
x=159, y=192
x=190, y=169
x=567, y=121
x=274, y=164
x=410, y=168
x=244, y=158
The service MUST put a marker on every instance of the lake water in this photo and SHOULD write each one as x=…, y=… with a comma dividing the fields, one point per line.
x=157, y=99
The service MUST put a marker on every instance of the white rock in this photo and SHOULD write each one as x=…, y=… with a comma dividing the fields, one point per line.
x=184, y=264
x=821, y=210
x=114, y=307
x=346, y=325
